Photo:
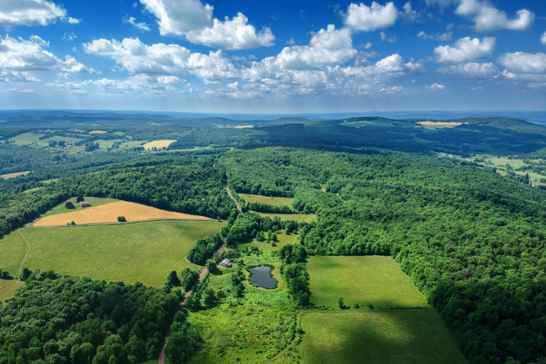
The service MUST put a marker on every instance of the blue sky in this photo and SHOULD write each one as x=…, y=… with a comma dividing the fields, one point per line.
x=257, y=56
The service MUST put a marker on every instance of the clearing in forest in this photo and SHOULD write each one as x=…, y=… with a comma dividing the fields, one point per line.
x=8, y=288
x=369, y=280
x=267, y=200
x=14, y=175
x=377, y=337
x=439, y=124
x=144, y=252
x=159, y=144
x=308, y=218
x=109, y=213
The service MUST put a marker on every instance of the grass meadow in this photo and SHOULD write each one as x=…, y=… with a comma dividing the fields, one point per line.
x=309, y=218
x=369, y=280
x=8, y=288
x=140, y=252
x=267, y=200
x=377, y=337
x=94, y=201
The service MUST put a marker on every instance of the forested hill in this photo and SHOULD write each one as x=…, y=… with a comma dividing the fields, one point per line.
x=474, y=242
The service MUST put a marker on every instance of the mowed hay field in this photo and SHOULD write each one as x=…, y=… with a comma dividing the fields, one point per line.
x=8, y=288
x=267, y=200
x=377, y=337
x=291, y=217
x=159, y=144
x=369, y=280
x=108, y=213
x=144, y=252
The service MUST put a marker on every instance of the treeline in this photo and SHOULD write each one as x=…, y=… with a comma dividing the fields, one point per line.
x=80, y=321
x=294, y=271
x=472, y=241
x=190, y=185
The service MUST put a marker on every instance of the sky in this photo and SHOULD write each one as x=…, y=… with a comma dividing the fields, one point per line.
x=243, y=56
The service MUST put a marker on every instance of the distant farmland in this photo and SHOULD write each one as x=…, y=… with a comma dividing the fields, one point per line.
x=143, y=252
x=267, y=200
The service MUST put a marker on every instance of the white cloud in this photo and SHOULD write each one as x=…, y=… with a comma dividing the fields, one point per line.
x=543, y=39
x=329, y=46
x=465, y=49
x=140, y=83
x=521, y=62
x=232, y=34
x=178, y=17
x=167, y=59
x=488, y=18
x=474, y=70
x=138, y=25
x=442, y=37
x=388, y=39
x=365, y=18
x=20, y=56
x=31, y=13
x=436, y=87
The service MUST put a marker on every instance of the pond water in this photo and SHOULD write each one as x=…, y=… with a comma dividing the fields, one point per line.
x=262, y=277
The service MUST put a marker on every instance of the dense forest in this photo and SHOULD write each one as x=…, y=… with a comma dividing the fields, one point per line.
x=55, y=319
x=472, y=241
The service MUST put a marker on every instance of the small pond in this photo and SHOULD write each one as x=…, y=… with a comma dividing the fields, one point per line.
x=262, y=277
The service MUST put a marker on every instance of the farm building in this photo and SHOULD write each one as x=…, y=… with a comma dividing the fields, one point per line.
x=85, y=205
x=226, y=263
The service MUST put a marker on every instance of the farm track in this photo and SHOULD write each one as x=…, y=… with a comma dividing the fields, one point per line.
x=232, y=196
x=27, y=251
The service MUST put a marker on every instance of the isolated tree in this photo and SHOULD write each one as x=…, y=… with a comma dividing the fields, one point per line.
x=122, y=219
x=80, y=199
x=25, y=274
x=341, y=303
x=173, y=280
x=212, y=267
x=69, y=205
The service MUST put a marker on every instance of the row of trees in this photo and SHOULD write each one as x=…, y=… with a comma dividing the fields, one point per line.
x=294, y=270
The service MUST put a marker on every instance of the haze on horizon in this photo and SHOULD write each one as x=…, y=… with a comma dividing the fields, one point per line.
x=215, y=56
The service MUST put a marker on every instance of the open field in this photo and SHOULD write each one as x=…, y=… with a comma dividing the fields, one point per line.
x=94, y=201
x=144, y=252
x=267, y=200
x=8, y=288
x=370, y=280
x=159, y=144
x=439, y=124
x=109, y=212
x=98, y=132
x=377, y=337
x=283, y=238
x=291, y=217
x=14, y=175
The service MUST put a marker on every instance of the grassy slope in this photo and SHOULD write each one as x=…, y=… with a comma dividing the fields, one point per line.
x=364, y=280
x=141, y=252
x=267, y=200
x=8, y=288
x=390, y=336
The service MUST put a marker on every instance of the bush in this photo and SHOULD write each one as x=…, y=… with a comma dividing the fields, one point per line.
x=69, y=205
x=122, y=219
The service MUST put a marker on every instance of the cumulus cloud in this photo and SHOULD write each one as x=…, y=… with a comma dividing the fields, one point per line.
x=465, y=49
x=177, y=17
x=25, y=58
x=31, y=13
x=328, y=46
x=488, y=18
x=135, y=23
x=236, y=33
x=365, y=18
x=474, y=69
x=136, y=57
x=524, y=62
x=194, y=20
x=436, y=87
